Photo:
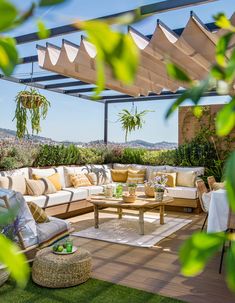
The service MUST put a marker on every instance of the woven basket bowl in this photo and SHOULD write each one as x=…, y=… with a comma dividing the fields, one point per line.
x=4, y=274
x=149, y=191
x=129, y=199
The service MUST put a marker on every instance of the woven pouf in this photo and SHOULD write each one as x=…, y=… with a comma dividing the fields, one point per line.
x=59, y=271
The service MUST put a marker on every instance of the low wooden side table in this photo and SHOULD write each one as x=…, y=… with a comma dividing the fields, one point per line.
x=142, y=205
x=60, y=271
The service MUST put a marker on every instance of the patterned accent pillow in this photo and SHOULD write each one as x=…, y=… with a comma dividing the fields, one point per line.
x=79, y=180
x=38, y=213
x=102, y=173
x=136, y=176
x=55, y=180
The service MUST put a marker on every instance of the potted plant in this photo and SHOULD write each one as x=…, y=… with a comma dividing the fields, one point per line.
x=156, y=187
x=32, y=106
x=159, y=187
x=132, y=188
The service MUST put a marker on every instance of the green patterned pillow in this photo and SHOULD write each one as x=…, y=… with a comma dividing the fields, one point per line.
x=38, y=213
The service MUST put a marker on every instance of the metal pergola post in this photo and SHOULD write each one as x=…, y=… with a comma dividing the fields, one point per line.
x=106, y=104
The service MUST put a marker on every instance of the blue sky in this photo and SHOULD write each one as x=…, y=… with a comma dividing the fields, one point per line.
x=74, y=119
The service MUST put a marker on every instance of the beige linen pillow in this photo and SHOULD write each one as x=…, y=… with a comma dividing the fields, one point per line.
x=186, y=178
x=92, y=178
x=40, y=187
x=16, y=183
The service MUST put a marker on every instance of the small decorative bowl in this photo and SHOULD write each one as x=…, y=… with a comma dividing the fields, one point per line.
x=128, y=198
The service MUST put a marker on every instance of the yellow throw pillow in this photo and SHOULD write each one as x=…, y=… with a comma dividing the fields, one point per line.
x=186, y=178
x=38, y=213
x=55, y=180
x=171, y=178
x=79, y=180
x=136, y=176
x=119, y=175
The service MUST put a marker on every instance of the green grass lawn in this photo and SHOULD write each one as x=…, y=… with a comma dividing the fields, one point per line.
x=93, y=291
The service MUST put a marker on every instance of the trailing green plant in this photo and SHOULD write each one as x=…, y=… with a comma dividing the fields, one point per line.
x=30, y=106
x=131, y=121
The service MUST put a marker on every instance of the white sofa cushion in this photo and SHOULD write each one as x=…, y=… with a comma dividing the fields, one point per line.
x=60, y=197
x=93, y=189
x=182, y=192
x=198, y=170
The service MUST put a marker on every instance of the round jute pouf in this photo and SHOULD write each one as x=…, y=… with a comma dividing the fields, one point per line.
x=59, y=271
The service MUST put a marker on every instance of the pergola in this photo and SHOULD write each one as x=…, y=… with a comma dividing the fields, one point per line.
x=77, y=62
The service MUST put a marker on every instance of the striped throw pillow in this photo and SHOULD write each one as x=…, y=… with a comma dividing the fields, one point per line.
x=136, y=176
x=38, y=213
x=79, y=180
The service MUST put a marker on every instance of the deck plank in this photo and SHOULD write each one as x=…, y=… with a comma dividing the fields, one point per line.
x=155, y=269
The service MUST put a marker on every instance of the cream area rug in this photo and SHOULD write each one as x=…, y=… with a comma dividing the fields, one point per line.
x=126, y=230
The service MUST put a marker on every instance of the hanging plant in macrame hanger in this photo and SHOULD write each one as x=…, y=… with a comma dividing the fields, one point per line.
x=31, y=107
x=132, y=120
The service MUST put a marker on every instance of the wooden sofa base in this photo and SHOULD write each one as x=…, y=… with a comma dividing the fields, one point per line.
x=75, y=208
x=68, y=210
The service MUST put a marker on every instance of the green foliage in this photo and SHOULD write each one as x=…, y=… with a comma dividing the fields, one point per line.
x=50, y=2
x=130, y=122
x=43, y=32
x=230, y=180
x=133, y=155
x=30, y=105
x=15, y=261
x=9, y=16
x=176, y=73
x=197, y=250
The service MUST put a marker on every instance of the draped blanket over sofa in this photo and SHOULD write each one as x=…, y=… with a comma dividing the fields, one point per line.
x=63, y=190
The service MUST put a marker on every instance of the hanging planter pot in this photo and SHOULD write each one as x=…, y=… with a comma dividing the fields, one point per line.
x=31, y=107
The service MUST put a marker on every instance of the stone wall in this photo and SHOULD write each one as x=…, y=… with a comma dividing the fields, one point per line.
x=189, y=126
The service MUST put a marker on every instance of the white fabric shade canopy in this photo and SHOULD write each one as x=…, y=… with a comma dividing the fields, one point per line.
x=193, y=51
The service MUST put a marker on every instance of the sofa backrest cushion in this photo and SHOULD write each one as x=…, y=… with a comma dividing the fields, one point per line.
x=24, y=171
x=16, y=183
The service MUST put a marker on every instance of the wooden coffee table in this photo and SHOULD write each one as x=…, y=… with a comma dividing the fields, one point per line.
x=142, y=205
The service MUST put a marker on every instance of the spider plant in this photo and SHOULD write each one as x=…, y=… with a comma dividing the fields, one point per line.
x=32, y=106
x=131, y=121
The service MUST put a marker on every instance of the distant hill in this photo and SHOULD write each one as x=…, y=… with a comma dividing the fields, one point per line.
x=10, y=135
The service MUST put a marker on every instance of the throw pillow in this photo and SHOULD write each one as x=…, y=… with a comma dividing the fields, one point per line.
x=38, y=213
x=35, y=187
x=92, y=178
x=186, y=178
x=218, y=185
x=136, y=176
x=16, y=183
x=119, y=175
x=171, y=178
x=50, y=188
x=79, y=180
x=55, y=180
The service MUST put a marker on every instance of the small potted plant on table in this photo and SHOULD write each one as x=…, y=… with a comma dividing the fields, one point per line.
x=159, y=187
x=132, y=189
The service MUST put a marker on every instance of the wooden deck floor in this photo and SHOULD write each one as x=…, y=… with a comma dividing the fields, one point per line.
x=154, y=269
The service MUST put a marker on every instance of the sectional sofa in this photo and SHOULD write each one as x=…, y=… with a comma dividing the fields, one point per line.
x=70, y=201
